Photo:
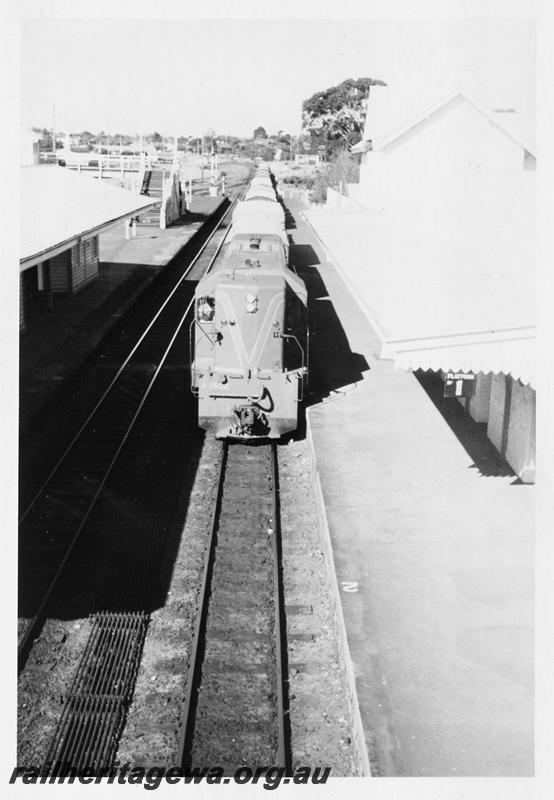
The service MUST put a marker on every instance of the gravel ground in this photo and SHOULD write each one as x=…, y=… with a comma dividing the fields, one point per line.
x=321, y=709
x=151, y=734
x=321, y=704
x=43, y=684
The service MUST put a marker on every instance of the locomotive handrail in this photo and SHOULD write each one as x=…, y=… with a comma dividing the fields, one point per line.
x=300, y=372
x=192, y=360
x=208, y=336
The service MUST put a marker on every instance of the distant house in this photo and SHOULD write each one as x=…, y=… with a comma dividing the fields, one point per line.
x=309, y=159
x=69, y=139
x=439, y=243
x=224, y=148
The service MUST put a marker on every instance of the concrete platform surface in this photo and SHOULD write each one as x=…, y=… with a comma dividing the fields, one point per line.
x=152, y=245
x=433, y=553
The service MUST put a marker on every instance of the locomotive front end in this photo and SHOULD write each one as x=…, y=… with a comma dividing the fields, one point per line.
x=250, y=348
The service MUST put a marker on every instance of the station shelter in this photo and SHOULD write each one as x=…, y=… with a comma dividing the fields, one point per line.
x=62, y=216
x=437, y=242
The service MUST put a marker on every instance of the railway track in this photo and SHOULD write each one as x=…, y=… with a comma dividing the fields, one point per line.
x=236, y=705
x=54, y=519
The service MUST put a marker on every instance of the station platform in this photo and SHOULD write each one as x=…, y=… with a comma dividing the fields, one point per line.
x=55, y=344
x=432, y=544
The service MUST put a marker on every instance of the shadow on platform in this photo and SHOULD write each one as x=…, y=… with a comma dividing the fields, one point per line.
x=471, y=435
x=189, y=217
x=333, y=365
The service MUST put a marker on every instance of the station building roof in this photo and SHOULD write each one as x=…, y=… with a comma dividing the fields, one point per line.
x=58, y=206
x=394, y=110
x=451, y=286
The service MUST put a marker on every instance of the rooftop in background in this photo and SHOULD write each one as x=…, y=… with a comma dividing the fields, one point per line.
x=392, y=110
x=58, y=205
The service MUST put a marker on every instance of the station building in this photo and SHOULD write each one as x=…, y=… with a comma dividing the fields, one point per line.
x=63, y=214
x=437, y=242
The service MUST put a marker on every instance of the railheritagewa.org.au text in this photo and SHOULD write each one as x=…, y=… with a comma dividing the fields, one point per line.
x=152, y=777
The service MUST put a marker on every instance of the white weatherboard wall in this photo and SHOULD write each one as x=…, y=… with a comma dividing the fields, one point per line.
x=520, y=442
x=479, y=403
x=84, y=263
x=74, y=268
x=60, y=272
x=495, y=428
x=511, y=426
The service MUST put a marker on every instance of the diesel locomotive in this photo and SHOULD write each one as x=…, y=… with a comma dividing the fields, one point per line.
x=250, y=334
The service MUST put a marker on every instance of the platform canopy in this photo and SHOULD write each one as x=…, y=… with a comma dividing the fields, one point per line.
x=58, y=206
x=453, y=286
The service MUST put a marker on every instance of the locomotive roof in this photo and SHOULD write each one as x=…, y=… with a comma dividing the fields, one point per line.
x=245, y=264
x=254, y=208
x=261, y=184
x=261, y=226
x=260, y=192
x=253, y=243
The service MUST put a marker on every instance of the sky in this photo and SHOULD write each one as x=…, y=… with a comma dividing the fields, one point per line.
x=187, y=76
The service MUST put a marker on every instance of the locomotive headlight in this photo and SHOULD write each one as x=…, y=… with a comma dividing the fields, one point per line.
x=205, y=308
x=251, y=303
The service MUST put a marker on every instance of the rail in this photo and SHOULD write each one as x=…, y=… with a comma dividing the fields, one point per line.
x=212, y=683
x=68, y=470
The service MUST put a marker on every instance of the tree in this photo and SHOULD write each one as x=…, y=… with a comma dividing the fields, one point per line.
x=344, y=169
x=260, y=133
x=335, y=117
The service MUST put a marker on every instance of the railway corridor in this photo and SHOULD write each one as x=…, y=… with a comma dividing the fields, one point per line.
x=122, y=614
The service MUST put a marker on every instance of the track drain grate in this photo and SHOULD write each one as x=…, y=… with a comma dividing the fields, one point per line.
x=95, y=707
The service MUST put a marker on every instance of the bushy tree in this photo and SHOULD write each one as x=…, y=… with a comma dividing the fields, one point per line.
x=335, y=117
x=260, y=133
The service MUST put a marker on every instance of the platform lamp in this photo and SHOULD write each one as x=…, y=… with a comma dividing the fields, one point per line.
x=174, y=165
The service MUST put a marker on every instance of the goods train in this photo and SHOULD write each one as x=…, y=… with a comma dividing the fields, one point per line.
x=250, y=343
